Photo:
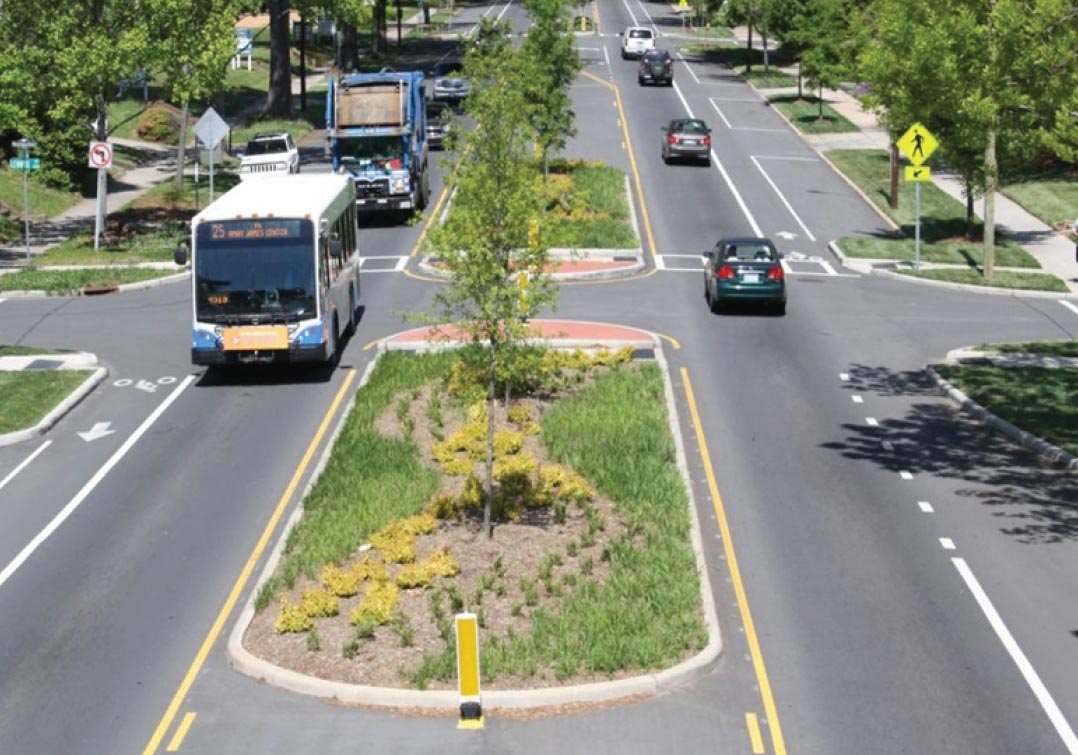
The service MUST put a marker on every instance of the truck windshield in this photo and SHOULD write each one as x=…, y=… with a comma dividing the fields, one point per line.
x=267, y=275
x=382, y=151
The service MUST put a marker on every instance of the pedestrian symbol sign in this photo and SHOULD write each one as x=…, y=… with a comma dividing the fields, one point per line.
x=917, y=144
x=918, y=173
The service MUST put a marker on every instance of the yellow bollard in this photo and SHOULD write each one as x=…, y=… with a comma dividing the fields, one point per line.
x=471, y=707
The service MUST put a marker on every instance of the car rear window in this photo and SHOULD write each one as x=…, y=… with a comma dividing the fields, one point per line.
x=639, y=34
x=750, y=251
x=266, y=147
x=692, y=127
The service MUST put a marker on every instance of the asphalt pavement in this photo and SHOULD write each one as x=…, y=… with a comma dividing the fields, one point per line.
x=881, y=539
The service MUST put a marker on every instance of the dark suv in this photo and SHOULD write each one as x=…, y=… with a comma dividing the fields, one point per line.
x=656, y=67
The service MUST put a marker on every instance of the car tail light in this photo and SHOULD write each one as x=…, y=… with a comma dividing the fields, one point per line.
x=671, y=139
x=725, y=273
x=706, y=141
x=775, y=273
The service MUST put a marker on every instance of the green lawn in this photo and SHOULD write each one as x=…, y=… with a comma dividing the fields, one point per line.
x=1043, y=401
x=27, y=396
x=1053, y=200
x=165, y=196
x=592, y=213
x=1066, y=349
x=151, y=247
x=805, y=114
x=27, y=351
x=73, y=281
x=1019, y=281
x=45, y=201
x=10, y=228
x=298, y=128
x=1008, y=254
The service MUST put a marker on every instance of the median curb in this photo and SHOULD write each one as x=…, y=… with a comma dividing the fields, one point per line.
x=448, y=701
x=1022, y=437
x=58, y=411
x=616, y=268
x=122, y=288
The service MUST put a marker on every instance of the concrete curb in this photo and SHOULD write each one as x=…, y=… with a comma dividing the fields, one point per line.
x=58, y=412
x=1012, y=292
x=448, y=700
x=120, y=289
x=1021, y=437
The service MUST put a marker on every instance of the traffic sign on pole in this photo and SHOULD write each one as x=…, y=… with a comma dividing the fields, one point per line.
x=100, y=155
x=24, y=163
x=917, y=144
x=918, y=173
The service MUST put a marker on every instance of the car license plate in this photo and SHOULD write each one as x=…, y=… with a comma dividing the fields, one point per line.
x=750, y=277
x=692, y=142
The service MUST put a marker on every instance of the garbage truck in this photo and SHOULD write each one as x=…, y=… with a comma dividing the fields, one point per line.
x=376, y=131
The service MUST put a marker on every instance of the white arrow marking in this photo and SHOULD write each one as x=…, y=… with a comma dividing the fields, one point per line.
x=786, y=235
x=99, y=430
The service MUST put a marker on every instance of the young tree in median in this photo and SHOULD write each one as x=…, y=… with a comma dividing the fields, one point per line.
x=821, y=32
x=484, y=243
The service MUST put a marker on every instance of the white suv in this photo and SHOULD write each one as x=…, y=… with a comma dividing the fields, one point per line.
x=635, y=41
x=269, y=154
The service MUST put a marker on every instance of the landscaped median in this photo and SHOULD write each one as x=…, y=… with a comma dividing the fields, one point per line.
x=593, y=573
x=1031, y=387
x=948, y=256
x=37, y=386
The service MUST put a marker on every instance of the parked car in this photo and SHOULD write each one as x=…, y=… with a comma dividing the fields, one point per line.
x=687, y=138
x=744, y=269
x=438, y=114
x=656, y=67
x=269, y=153
x=450, y=85
x=635, y=41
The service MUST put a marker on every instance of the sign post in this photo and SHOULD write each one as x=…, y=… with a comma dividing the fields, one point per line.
x=210, y=130
x=101, y=158
x=917, y=144
x=25, y=164
x=471, y=708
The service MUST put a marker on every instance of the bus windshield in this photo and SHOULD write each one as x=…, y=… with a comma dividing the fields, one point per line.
x=255, y=269
x=383, y=151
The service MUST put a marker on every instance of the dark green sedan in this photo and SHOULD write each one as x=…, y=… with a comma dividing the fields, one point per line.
x=744, y=269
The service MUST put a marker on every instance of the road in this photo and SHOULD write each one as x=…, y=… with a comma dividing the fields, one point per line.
x=878, y=534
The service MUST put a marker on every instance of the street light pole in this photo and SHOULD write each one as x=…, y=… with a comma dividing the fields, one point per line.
x=24, y=146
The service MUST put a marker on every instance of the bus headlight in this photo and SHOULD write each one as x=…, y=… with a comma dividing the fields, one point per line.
x=398, y=184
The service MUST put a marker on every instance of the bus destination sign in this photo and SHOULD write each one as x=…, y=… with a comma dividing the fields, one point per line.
x=254, y=230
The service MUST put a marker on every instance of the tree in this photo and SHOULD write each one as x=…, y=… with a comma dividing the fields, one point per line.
x=484, y=243
x=279, y=97
x=821, y=32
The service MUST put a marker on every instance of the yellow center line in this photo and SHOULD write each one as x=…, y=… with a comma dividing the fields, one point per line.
x=673, y=341
x=177, y=740
x=430, y=220
x=248, y=568
x=755, y=738
x=735, y=575
x=632, y=161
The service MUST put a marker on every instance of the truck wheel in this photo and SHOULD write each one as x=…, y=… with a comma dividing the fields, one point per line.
x=425, y=191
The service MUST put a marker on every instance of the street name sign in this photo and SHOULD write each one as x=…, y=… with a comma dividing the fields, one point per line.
x=25, y=163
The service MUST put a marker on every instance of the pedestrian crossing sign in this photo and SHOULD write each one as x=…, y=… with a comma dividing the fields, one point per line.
x=918, y=173
x=917, y=144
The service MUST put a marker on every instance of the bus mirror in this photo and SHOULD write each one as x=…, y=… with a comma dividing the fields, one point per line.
x=336, y=248
x=180, y=255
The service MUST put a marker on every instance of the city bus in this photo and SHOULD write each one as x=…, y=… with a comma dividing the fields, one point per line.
x=274, y=271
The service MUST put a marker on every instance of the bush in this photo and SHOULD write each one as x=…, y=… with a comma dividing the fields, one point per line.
x=159, y=125
x=342, y=583
x=377, y=605
x=292, y=618
x=319, y=602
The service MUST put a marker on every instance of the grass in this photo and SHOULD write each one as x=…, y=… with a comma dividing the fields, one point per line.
x=805, y=114
x=45, y=201
x=10, y=228
x=149, y=247
x=737, y=58
x=593, y=213
x=27, y=396
x=72, y=281
x=1064, y=349
x=298, y=128
x=773, y=79
x=1001, y=279
x=27, y=351
x=1043, y=401
x=166, y=197
x=1008, y=254
x=1053, y=200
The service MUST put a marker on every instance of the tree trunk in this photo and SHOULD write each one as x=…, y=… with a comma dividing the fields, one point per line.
x=969, y=210
x=279, y=98
x=426, y=14
x=767, y=62
x=991, y=178
x=748, y=52
x=303, y=64
x=488, y=525
x=400, y=15
x=181, y=148
x=800, y=78
x=894, y=175
x=348, y=49
x=819, y=103
x=376, y=28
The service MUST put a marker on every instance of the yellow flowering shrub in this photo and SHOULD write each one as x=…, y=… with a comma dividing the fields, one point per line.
x=443, y=451
x=507, y=442
x=319, y=602
x=519, y=414
x=420, y=524
x=563, y=484
x=477, y=413
x=344, y=583
x=395, y=543
x=377, y=605
x=458, y=467
x=443, y=506
x=519, y=464
x=366, y=569
x=292, y=618
x=443, y=564
x=414, y=575
x=472, y=495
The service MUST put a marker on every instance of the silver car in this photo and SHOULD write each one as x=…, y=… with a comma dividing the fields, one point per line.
x=450, y=85
x=687, y=138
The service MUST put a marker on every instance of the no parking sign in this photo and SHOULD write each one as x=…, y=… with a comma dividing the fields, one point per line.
x=100, y=155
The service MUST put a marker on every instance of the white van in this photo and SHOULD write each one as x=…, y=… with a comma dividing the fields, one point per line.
x=635, y=41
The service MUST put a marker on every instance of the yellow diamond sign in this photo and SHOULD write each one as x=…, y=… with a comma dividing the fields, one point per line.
x=918, y=173
x=917, y=144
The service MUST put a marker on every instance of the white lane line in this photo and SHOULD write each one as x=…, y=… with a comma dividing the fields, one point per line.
x=789, y=207
x=947, y=543
x=721, y=115
x=827, y=266
x=504, y=10
x=403, y=263
x=659, y=264
x=688, y=67
x=1069, y=306
x=905, y=475
x=871, y=421
x=1044, y=697
x=926, y=507
x=2, y=301
x=719, y=166
x=93, y=482
x=737, y=99
x=25, y=462
x=631, y=14
x=887, y=445
x=606, y=56
x=858, y=399
x=843, y=376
